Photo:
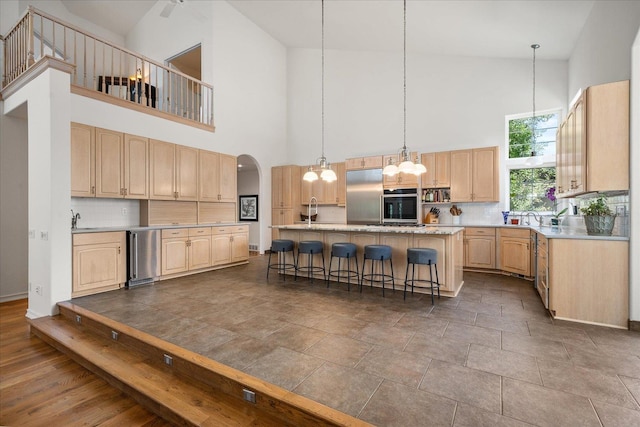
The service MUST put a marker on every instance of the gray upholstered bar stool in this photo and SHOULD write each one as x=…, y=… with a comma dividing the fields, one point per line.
x=311, y=248
x=375, y=253
x=422, y=256
x=348, y=251
x=281, y=247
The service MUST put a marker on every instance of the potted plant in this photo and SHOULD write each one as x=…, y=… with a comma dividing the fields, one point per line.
x=556, y=217
x=598, y=217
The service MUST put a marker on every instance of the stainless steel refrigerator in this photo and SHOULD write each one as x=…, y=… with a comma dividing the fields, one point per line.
x=364, y=193
x=143, y=248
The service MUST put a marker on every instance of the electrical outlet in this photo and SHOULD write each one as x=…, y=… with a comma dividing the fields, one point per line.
x=124, y=211
x=114, y=335
x=39, y=290
x=44, y=235
x=78, y=318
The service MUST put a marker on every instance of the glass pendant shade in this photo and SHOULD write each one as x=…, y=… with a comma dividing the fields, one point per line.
x=390, y=169
x=310, y=176
x=328, y=175
x=420, y=168
x=406, y=166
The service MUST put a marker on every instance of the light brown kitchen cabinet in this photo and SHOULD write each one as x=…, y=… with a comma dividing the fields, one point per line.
x=475, y=175
x=594, y=154
x=230, y=244
x=99, y=262
x=515, y=247
x=121, y=165
x=218, y=177
x=480, y=247
x=438, y=174
x=371, y=162
x=199, y=248
x=341, y=184
x=598, y=291
x=82, y=160
x=399, y=180
x=175, y=251
x=173, y=171
x=285, y=195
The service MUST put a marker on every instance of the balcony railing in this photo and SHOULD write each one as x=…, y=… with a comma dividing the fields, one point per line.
x=106, y=68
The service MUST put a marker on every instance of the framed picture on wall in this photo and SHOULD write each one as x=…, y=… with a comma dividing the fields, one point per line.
x=249, y=208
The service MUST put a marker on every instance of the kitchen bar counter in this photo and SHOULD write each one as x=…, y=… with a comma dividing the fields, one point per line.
x=150, y=227
x=448, y=241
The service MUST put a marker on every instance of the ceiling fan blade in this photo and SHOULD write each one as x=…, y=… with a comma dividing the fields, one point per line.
x=167, y=10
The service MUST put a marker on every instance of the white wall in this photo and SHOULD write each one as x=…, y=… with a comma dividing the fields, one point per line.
x=14, y=251
x=603, y=51
x=452, y=102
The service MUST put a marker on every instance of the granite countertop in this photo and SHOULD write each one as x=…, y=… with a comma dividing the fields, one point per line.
x=420, y=229
x=150, y=227
x=548, y=231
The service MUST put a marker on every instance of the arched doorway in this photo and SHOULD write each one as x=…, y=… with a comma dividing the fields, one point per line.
x=249, y=185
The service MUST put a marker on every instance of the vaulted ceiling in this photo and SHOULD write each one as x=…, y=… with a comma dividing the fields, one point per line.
x=486, y=28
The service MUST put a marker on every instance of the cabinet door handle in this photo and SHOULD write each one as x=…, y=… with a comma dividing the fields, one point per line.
x=93, y=189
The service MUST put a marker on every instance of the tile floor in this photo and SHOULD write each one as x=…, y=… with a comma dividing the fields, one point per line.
x=491, y=356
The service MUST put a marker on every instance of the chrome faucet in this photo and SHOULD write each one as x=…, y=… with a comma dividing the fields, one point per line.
x=313, y=199
x=537, y=217
x=74, y=220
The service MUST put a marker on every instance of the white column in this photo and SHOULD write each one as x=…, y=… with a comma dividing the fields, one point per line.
x=634, y=244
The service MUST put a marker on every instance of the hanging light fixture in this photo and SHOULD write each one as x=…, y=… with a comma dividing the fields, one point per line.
x=404, y=157
x=326, y=173
x=535, y=159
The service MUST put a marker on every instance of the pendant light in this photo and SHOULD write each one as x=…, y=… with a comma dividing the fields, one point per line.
x=327, y=174
x=406, y=164
x=535, y=159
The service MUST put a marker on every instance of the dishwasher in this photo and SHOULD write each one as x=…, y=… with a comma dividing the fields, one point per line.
x=143, y=250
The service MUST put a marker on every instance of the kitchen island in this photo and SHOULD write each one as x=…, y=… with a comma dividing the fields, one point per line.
x=448, y=241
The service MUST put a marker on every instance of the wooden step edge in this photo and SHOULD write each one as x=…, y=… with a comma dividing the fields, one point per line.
x=53, y=333
x=270, y=398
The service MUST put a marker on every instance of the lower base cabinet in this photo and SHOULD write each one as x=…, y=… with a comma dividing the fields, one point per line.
x=480, y=247
x=99, y=262
x=515, y=250
x=197, y=248
x=230, y=244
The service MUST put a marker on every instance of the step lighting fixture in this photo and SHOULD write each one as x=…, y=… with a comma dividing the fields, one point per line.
x=326, y=173
x=535, y=159
x=404, y=157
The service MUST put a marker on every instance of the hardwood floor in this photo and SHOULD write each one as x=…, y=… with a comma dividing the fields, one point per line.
x=41, y=386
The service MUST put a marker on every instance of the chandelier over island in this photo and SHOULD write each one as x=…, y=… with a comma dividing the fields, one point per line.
x=406, y=165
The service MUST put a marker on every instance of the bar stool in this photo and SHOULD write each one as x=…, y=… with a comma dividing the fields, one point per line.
x=422, y=256
x=281, y=246
x=310, y=247
x=377, y=253
x=348, y=251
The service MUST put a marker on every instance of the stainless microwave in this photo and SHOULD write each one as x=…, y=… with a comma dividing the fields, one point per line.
x=400, y=206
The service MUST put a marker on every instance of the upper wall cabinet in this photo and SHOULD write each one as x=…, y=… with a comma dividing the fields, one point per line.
x=438, y=173
x=475, y=175
x=121, y=165
x=372, y=162
x=110, y=164
x=593, y=142
x=173, y=172
x=218, y=177
x=82, y=161
x=399, y=180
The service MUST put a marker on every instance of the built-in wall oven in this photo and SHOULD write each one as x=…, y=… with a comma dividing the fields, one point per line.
x=400, y=206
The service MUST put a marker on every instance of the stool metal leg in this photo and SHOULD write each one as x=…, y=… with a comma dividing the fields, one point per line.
x=393, y=278
x=383, y=278
x=269, y=265
x=431, y=282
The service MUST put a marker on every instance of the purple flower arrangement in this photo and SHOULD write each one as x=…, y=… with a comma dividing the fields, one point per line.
x=551, y=194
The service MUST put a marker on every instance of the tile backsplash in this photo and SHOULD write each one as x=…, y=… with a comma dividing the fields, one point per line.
x=95, y=212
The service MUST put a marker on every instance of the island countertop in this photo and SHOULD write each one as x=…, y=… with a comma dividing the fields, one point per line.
x=417, y=229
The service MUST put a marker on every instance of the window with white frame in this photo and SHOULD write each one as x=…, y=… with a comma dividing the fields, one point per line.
x=531, y=162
